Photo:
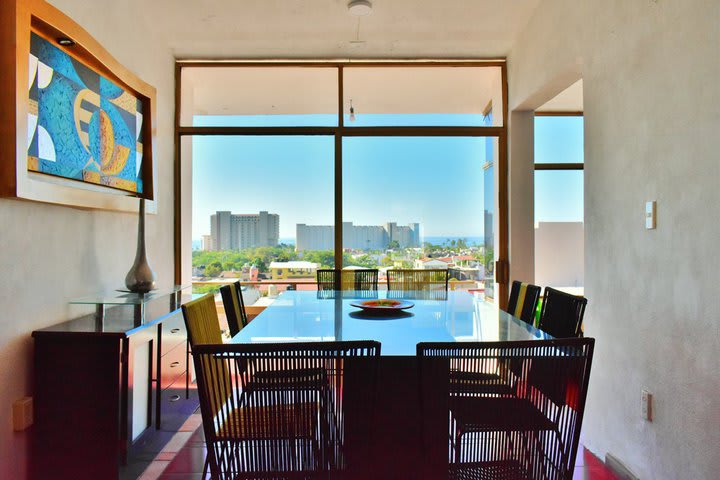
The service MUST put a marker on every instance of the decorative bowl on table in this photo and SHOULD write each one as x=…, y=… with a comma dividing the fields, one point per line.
x=383, y=306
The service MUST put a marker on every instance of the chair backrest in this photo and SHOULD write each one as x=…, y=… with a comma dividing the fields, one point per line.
x=551, y=387
x=347, y=294
x=326, y=279
x=410, y=279
x=359, y=280
x=363, y=280
x=201, y=320
x=271, y=386
x=523, y=301
x=562, y=313
x=203, y=328
x=234, y=307
x=439, y=295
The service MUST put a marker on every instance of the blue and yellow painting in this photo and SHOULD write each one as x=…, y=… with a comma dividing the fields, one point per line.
x=80, y=124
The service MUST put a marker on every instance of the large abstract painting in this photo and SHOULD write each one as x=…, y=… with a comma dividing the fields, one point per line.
x=81, y=125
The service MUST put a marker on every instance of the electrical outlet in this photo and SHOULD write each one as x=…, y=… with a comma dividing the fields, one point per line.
x=646, y=406
x=22, y=414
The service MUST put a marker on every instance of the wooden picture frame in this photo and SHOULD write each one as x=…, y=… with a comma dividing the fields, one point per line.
x=18, y=20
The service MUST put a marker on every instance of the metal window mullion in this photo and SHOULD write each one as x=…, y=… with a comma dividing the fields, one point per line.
x=559, y=166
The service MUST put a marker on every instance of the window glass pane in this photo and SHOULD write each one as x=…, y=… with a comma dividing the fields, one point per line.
x=559, y=140
x=250, y=196
x=558, y=196
x=259, y=97
x=559, y=229
x=421, y=96
x=489, y=218
x=404, y=208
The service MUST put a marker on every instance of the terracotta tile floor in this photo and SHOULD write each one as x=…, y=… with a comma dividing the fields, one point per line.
x=183, y=458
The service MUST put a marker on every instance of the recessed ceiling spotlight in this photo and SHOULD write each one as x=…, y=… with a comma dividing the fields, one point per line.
x=65, y=41
x=360, y=8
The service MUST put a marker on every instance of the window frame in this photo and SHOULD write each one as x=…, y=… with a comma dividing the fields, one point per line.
x=559, y=166
x=341, y=131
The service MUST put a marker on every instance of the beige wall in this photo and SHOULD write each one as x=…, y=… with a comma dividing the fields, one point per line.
x=49, y=254
x=650, y=70
x=559, y=254
x=521, y=192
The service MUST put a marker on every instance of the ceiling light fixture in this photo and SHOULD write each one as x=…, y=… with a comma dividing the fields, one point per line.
x=352, y=112
x=360, y=8
x=65, y=41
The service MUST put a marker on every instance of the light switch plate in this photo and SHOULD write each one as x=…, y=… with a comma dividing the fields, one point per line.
x=650, y=214
x=646, y=406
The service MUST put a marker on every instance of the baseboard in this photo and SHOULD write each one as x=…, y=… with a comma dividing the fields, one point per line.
x=614, y=464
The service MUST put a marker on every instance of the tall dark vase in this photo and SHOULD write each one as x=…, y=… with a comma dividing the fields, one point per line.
x=140, y=278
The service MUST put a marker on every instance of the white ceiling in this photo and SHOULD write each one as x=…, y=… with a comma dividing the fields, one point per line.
x=325, y=29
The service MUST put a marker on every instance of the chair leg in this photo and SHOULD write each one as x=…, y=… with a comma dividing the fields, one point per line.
x=205, y=467
x=458, y=447
x=456, y=435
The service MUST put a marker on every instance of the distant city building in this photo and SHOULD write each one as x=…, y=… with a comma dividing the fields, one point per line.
x=314, y=237
x=430, y=264
x=357, y=237
x=294, y=269
x=229, y=231
x=362, y=237
x=206, y=243
x=460, y=261
x=248, y=273
x=405, y=236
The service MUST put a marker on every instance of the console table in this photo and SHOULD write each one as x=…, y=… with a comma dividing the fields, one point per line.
x=102, y=379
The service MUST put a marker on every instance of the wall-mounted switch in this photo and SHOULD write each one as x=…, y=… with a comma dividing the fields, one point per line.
x=646, y=406
x=650, y=210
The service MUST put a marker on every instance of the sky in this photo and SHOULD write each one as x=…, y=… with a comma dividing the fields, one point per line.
x=434, y=181
x=559, y=193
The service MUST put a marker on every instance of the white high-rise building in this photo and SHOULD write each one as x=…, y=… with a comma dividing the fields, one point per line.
x=408, y=236
x=230, y=231
x=206, y=243
x=314, y=237
x=357, y=237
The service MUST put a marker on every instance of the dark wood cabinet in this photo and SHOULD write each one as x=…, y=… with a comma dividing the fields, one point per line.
x=101, y=380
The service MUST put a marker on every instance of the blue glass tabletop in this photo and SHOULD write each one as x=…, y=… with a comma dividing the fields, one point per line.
x=435, y=316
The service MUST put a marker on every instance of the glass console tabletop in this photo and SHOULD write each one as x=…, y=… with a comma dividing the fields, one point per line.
x=123, y=297
x=455, y=316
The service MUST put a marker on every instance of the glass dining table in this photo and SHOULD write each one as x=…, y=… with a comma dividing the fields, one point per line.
x=394, y=425
x=429, y=316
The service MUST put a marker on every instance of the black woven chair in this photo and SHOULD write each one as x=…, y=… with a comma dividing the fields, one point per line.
x=358, y=280
x=234, y=307
x=347, y=294
x=409, y=279
x=363, y=280
x=523, y=301
x=440, y=295
x=562, y=314
x=326, y=279
x=531, y=434
x=292, y=430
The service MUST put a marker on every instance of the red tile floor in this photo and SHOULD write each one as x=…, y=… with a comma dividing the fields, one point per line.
x=183, y=457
